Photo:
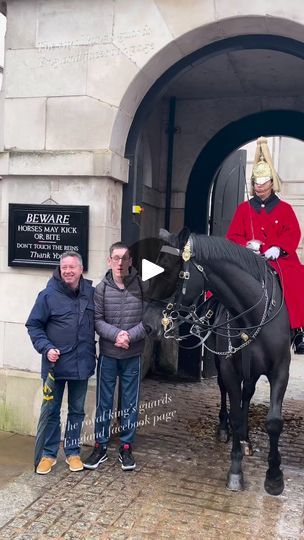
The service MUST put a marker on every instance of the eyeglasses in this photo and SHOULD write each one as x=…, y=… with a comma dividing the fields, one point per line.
x=116, y=258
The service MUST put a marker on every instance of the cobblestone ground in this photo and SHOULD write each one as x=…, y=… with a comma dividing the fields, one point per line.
x=178, y=489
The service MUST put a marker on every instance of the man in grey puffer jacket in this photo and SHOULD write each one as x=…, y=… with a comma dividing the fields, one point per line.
x=118, y=314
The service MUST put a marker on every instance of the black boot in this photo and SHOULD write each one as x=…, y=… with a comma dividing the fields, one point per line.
x=298, y=342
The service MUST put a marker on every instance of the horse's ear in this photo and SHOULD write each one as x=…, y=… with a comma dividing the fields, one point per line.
x=183, y=236
x=169, y=238
x=177, y=240
x=164, y=235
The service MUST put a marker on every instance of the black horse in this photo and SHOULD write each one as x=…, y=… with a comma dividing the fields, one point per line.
x=252, y=332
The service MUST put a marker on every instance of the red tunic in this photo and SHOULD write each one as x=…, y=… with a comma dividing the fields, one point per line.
x=277, y=227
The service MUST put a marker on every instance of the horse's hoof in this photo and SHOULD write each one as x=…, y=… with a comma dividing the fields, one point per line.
x=247, y=449
x=222, y=435
x=235, y=482
x=274, y=486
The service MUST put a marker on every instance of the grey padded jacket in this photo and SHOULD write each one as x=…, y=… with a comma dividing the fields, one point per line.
x=119, y=309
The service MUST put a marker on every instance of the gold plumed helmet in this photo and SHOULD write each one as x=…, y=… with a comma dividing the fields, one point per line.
x=263, y=169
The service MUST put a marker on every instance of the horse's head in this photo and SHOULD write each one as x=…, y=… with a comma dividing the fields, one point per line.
x=172, y=286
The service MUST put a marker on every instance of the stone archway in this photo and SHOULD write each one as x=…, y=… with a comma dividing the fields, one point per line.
x=195, y=44
x=248, y=43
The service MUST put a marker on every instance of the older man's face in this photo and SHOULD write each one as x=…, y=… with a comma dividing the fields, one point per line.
x=71, y=270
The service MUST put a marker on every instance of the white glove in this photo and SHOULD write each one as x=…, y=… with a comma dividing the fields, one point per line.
x=272, y=253
x=254, y=245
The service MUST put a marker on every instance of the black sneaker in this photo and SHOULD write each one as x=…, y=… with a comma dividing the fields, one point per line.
x=125, y=457
x=99, y=455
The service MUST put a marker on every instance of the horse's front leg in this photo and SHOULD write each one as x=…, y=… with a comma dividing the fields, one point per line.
x=223, y=427
x=247, y=393
x=235, y=479
x=274, y=481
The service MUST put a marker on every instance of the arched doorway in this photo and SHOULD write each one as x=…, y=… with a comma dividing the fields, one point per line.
x=223, y=141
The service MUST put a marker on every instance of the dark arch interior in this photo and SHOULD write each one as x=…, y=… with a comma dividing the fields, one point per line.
x=269, y=123
x=230, y=138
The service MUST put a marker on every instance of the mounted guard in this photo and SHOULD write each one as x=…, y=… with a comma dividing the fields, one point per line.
x=269, y=226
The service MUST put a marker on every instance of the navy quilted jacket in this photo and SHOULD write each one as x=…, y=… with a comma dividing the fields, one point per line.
x=62, y=319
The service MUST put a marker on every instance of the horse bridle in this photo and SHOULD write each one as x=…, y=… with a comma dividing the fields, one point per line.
x=172, y=318
x=183, y=276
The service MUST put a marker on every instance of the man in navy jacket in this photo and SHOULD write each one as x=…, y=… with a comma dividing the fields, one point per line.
x=61, y=327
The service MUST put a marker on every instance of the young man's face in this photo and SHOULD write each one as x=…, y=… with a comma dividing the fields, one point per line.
x=71, y=270
x=120, y=262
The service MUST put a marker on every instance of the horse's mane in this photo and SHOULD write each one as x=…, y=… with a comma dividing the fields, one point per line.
x=208, y=248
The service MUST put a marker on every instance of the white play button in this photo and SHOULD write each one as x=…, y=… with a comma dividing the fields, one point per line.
x=150, y=270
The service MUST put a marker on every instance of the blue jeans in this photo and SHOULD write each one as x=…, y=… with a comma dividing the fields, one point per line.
x=128, y=371
x=77, y=391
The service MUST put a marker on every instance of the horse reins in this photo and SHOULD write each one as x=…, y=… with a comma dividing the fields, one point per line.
x=173, y=322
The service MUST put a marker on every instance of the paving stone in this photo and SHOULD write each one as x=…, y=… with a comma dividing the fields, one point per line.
x=9, y=532
x=25, y=536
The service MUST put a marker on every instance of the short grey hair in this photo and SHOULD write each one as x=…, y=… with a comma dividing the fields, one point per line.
x=71, y=254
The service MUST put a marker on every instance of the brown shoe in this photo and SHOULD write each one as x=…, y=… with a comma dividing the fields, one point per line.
x=45, y=465
x=74, y=462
